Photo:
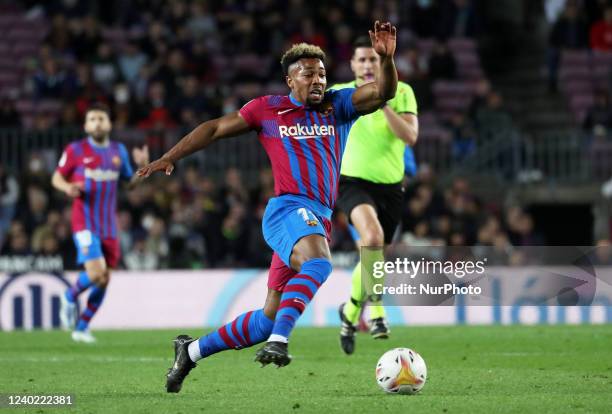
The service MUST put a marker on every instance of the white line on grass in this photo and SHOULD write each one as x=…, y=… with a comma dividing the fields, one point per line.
x=101, y=359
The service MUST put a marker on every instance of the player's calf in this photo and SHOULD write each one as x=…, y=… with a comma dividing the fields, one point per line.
x=68, y=313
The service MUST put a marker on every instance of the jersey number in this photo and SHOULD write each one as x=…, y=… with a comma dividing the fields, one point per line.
x=307, y=216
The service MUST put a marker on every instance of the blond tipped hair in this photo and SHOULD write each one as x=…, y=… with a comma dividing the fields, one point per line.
x=300, y=51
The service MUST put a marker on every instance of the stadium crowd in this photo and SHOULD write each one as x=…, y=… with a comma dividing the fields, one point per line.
x=582, y=26
x=191, y=221
x=165, y=66
x=161, y=64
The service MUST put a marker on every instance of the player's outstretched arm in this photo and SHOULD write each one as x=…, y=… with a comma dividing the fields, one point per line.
x=371, y=96
x=203, y=135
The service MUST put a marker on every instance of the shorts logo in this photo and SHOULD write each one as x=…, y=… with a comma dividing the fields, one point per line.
x=308, y=217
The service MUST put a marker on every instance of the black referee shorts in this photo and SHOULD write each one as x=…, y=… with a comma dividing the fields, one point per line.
x=387, y=200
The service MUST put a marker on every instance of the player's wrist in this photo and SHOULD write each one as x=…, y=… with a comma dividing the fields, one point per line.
x=167, y=158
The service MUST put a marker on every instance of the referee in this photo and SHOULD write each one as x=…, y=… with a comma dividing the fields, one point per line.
x=371, y=192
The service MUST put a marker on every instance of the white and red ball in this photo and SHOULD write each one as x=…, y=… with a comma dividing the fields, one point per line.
x=401, y=371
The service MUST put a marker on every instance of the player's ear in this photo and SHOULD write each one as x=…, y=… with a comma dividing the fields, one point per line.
x=353, y=64
x=289, y=81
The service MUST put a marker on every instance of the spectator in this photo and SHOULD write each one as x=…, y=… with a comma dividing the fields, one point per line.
x=442, y=63
x=44, y=230
x=9, y=194
x=601, y=32
x=49, y=245
x=105, y=69
x=35, y=212
x=156, y=242
x=458, y=18
x=49, y=80
x=200, y=22
x=131, y=61
x=9, y=117
x=493, y=116
x=65, y=242
x=59, y=36
x=18, y=244
x=173, y=71
x=569, y=32
x=69, y=117
x=479, y=99
x=124, y=225
x=85, y=38
x=155, y=112
x=190, y=98
x=17, y=241
x=464, y=137
x=412, y=65
x=599, y=116
x=139, y=258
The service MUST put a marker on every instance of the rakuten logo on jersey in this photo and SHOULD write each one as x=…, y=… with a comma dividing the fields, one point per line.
x=101, y=175
x=300, y=131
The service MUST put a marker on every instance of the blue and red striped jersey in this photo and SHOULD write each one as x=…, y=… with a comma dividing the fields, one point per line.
x=97, y=169
x=304, y=144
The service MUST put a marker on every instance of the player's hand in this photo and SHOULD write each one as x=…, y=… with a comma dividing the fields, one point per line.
x=73, y=190
x=158, y=165
x=383, y=38
x=141, y=156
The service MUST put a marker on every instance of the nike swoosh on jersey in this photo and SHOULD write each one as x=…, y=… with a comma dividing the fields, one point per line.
x=285, y=111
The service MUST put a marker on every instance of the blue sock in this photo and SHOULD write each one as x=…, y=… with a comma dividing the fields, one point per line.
x=297, y=295
x=93, y=303
x=246, y=330
x=81, y=284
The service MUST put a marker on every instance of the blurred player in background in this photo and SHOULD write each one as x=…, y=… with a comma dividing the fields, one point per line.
x=372, y=172
x=304, y=135
x=88, y=172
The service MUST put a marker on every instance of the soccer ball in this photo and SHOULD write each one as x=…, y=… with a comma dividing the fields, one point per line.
x=401, y=371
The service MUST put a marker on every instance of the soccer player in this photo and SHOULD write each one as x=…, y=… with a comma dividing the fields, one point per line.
x=88, y=172
x=304, y=135
x=371, y=192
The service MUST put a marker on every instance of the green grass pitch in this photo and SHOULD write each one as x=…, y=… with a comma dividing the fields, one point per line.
x=505, y=369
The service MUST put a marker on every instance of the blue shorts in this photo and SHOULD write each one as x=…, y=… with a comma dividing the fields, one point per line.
x=290, y=217
x=91, y=247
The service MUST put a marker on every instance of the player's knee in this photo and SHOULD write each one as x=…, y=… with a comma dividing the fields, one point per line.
x=373, y=237
x=104, y=279
x=96, y=275
x=318, y=268
x=298, y=258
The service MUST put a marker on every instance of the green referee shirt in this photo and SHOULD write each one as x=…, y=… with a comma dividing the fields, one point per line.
x=373, y=152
